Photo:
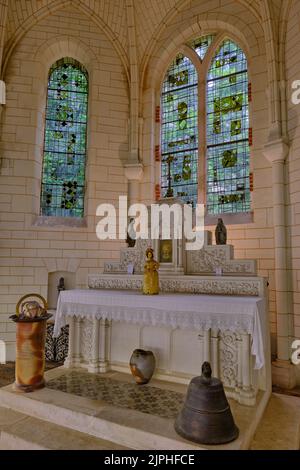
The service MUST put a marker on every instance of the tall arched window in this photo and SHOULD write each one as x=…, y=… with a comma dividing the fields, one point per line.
x=227, y=137
x=63, y=177
x=221, y=158
x=179, y=131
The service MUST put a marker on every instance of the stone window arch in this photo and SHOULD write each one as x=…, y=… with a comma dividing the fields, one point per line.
x=205, y=131
x=65, y=140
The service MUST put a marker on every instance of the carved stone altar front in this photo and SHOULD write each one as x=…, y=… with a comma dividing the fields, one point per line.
x=103, y=345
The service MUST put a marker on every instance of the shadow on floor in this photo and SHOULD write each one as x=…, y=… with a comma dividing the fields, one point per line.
x=295, y=392
x=7, y=371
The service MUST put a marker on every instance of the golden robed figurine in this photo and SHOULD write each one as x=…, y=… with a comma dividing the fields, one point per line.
x=151, y=281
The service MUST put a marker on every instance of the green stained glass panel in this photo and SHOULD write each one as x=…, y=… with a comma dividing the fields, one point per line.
x=63, y=176
x=179, y=130
x=228, y=189
x=201, y=45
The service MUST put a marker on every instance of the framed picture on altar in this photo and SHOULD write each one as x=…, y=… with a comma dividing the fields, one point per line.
x=165, y=251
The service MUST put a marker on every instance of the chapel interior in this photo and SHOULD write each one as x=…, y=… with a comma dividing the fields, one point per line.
x=192, y=103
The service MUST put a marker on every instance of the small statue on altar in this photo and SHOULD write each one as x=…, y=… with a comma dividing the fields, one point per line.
x=151, y=281
x=221, y=233
x=131, y=234
x=61, y=285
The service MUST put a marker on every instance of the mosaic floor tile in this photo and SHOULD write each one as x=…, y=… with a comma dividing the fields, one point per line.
x=147, y=399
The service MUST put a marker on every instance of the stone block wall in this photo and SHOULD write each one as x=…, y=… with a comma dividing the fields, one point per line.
x=292, y=49
x=28, y=253
x=38, y=33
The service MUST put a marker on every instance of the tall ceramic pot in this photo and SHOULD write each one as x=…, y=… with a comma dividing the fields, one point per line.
x=30, y=349
x=142, y=365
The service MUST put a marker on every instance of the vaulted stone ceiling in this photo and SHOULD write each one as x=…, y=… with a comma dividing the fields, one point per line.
x=150, y=15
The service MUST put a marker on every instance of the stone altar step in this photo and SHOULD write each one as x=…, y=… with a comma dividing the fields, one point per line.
x=19, y=431
x=115, y=425
x=122, y=427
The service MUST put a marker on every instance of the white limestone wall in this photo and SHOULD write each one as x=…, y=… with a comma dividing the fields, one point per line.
x=293, y=163
x=28, y=253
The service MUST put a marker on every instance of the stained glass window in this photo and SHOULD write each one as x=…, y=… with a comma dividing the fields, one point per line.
x=201, y=45
x=227, y=160
x=63, y=177
x=179, y=131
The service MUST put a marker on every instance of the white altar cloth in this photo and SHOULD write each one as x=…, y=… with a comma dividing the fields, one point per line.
x=176, y=310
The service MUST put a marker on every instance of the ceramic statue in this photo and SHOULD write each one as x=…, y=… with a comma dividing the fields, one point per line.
x=221, y=233
x=151, y=281
x=131, y=234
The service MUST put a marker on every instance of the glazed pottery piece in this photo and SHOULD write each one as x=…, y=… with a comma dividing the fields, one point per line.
x=142, y=365
x=31, y=323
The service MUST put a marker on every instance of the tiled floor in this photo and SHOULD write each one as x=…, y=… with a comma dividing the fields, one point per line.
x=279, y=428
x=144, y=398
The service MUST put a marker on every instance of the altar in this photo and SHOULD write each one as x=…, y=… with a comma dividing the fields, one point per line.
x=183, y=331
x=211, y=307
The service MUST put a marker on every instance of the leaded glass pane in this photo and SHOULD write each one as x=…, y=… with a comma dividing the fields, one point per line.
x=65, y=141
x=201, y=45
x=179, y=131
x=228, y=189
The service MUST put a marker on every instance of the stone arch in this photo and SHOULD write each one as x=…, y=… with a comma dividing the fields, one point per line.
x=49, y=52
x=158, y=63
x=202, y=69
x=255, y=10
x=284, y=16
x=54, y=49
x=59, y=5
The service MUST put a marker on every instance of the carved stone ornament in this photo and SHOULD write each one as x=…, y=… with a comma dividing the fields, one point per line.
x=251, y=287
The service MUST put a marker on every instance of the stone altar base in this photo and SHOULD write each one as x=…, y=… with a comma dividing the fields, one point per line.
x=116, y=425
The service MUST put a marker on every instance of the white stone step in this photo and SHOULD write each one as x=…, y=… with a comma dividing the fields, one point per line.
x=124, y=427
x=19, y=431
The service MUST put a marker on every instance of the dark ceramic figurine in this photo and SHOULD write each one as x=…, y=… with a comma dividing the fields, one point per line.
x=61, y=285
x=131, y=235
x=221, y=233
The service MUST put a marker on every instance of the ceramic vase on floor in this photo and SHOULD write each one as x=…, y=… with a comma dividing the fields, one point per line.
x=31, y=324
x=142, y=365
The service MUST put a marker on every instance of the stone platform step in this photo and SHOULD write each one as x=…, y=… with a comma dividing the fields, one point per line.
x=22, y=432
x=132, y=429
x=121, y=426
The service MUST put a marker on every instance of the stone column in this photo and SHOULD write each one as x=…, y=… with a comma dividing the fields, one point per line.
x=70, y=359
x=93, y=366
x=215, y=340
x=282, y=370
x=3, y=19
x=134, y=174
